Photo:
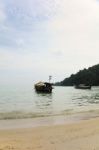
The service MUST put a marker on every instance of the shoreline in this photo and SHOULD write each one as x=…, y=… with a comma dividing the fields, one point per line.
x=47, y=121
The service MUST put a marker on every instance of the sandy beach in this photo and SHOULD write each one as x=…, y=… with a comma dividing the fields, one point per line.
x=82, y=135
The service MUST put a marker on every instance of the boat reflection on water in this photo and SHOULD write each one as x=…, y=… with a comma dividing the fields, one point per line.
x=44, y=103
x=44, y=95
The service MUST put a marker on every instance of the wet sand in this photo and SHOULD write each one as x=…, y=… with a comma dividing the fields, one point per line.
x=80, y=135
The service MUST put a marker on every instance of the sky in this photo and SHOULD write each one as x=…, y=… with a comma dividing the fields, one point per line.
x=39, y=38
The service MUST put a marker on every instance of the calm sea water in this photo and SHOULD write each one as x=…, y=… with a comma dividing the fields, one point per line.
x=24, y=102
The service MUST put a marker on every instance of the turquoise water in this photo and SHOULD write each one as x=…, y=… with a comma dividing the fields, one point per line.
x=24, y=102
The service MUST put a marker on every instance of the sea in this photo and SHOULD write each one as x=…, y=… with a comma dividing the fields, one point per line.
x=19, y=102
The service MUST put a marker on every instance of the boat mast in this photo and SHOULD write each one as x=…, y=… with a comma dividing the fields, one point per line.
x=50, y=77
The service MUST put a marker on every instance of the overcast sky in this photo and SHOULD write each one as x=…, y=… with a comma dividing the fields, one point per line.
x=39, y=38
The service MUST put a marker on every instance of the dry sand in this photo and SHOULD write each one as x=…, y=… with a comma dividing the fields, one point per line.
x=83, y=135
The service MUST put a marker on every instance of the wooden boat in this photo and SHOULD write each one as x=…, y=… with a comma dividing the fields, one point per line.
x=43, y=87
x=82, y=86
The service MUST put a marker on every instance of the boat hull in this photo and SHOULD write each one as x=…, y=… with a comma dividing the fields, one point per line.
x=44, y=88
x=83, y=87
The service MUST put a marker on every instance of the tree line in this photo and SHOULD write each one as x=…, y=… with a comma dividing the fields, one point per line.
x=88, y=76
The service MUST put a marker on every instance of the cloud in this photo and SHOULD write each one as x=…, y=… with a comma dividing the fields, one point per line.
x=30, y=11
x=75, y=28
x=2, y=12
x=25, y=24
x=58, y=36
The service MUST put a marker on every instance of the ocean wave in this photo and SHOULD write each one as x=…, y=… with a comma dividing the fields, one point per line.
x=24, y=115
x=20, y=115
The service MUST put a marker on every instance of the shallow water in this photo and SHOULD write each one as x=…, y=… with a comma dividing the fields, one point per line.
x=24, y=102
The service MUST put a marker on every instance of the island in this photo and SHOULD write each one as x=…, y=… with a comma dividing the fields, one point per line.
x=88, y=76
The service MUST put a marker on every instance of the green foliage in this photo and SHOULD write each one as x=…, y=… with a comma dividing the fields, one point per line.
x=88, y=76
